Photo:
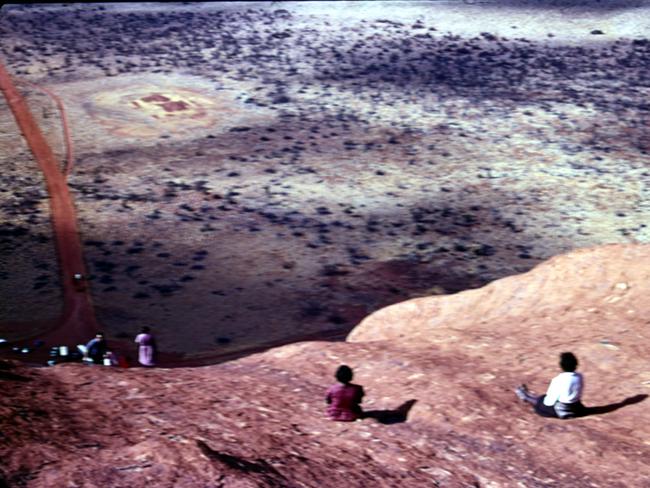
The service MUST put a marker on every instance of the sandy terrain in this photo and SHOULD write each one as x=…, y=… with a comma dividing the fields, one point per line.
x=254, y=173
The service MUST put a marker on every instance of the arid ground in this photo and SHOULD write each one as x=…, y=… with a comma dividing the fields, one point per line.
x=255, y=173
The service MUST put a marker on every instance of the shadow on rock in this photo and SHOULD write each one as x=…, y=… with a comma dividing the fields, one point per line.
x=268, y=474
x=6, y=375
x=395, y=416
x=9, y=376
x=599, y=410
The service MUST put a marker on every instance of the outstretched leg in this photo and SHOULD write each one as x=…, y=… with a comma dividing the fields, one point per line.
x=526, y=396
x=537, y=401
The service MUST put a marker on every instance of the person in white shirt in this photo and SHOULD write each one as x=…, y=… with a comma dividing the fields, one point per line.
x=563, y=397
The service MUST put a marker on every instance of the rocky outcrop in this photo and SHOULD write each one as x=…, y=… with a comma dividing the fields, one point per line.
x=438, y=372
x=598, y=289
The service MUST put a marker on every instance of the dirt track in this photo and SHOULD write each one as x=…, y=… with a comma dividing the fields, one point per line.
x=77, y=321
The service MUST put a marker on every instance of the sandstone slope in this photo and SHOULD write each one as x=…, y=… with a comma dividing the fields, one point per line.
x=259, y=421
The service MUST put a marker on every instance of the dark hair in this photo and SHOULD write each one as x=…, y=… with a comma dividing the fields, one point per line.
x=146, y=329
x=568, y=362
x=344, y=374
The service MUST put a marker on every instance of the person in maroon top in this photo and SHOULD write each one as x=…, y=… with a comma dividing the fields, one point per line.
x=344, y=399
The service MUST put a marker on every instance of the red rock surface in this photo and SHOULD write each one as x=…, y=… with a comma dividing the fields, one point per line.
x=259, y=421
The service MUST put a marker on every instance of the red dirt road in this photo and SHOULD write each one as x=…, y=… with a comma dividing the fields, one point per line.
x=77, y=322
x=69, y=147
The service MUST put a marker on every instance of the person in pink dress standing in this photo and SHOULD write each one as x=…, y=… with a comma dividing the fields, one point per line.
x=146, y=347
x=344, y=399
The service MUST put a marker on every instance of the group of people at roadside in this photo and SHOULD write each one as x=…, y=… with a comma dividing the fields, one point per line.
x=562, y=399
x=96, y=350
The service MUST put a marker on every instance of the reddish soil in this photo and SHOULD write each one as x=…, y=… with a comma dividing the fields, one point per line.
x=156, y=97
x=175, y=106
x=77, y=321
x=69, y=146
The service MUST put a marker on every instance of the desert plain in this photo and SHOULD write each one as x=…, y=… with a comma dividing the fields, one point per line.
x=458, y=189
x=255, y=173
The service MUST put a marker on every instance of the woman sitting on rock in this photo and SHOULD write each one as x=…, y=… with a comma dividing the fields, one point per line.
x=344, y=399
x=562, y=399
